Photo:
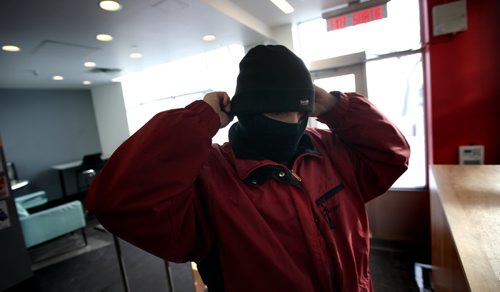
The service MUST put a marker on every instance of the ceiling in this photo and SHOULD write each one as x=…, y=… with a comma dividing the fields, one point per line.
x=57, y=37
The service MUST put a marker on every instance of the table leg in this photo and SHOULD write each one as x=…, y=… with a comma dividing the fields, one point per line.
x=61, y=180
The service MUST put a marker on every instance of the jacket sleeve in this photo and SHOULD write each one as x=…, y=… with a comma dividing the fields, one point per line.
x=147, y=192
x=365, y=140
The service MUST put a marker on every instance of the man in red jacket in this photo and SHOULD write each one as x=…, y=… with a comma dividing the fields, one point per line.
x=278, y=208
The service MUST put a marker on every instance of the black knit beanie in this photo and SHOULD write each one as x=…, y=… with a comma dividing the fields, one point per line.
x=272, y=79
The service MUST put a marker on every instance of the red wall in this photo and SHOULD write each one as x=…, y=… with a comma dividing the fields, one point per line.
x=463, y=79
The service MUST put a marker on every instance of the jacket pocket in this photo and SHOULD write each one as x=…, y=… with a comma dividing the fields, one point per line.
x=328, y=205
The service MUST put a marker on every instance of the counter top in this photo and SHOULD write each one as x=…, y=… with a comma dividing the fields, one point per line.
x=470, y=197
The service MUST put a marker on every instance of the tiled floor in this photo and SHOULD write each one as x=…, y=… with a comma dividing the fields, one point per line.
x=96, y=267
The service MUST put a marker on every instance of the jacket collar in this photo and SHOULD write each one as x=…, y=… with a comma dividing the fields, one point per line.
x=255, y=170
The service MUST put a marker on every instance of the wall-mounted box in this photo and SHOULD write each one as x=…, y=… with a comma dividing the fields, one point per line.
x=449, y=18
x=473, y=154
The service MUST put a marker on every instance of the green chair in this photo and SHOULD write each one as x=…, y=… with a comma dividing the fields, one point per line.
x=51, y=223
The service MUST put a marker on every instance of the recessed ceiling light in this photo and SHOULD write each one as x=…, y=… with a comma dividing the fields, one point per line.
x=11, y=48
x=209, y=37
x=86, y=82
x=135, y=56
x=284, y=6
x=89, y=64
x=57, y=77
x=110, y=5
x=104, y=37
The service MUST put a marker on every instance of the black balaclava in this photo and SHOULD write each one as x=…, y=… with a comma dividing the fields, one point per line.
x=256, y=136
x=272, y=79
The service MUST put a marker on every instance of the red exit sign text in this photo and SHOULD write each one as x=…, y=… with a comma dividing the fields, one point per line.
x=358, y=17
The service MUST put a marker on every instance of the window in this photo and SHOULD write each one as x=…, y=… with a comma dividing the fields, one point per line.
x=395, y=86
x=177, y=84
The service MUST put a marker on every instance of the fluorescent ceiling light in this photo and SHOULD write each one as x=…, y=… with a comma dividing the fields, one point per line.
x=86, y=82
x=284, y=6
x=89, y=64
x=135, y=56
x=104, y=37
x=57, y=77
x=209, y=37
x=110, y=5
x=11, y=48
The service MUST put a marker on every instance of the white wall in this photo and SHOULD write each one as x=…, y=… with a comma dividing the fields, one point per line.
x=111, y=116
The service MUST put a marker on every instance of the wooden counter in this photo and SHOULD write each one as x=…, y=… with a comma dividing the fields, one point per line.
x=465, y=226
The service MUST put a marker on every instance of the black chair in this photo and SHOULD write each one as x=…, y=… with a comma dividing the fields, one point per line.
x=89, y=169
x=84, y=179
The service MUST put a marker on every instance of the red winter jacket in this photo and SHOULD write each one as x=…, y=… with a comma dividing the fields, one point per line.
x=170, y=191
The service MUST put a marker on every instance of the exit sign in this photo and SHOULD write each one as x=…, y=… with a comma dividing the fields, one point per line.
x=357, y=17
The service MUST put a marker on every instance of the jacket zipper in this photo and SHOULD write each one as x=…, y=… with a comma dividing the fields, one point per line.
x=295, y=175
